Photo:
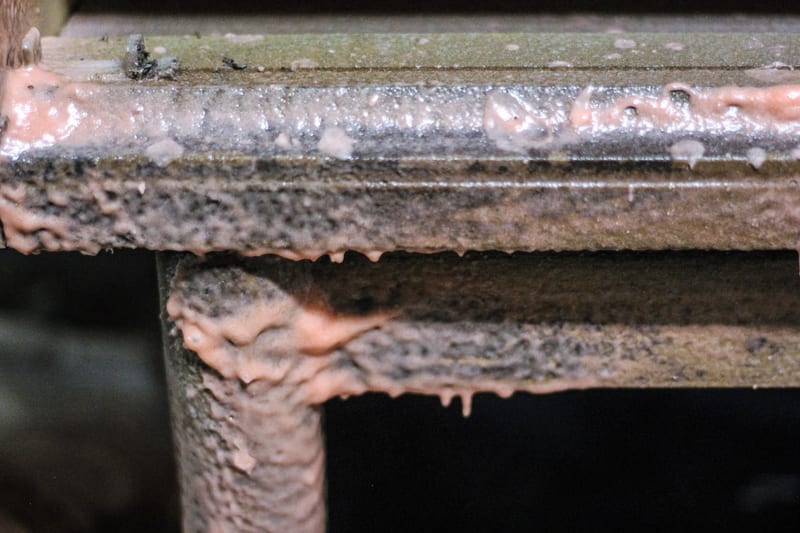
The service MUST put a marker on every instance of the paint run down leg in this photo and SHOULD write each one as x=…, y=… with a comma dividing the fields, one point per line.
x=251, y=456
x=252, y=459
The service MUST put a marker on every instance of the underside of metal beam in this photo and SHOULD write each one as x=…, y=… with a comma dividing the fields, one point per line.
x=526, y=319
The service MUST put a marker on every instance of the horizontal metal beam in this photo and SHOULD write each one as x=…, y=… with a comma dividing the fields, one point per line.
x=277, y=338
x=328, y=143
x=494, y=322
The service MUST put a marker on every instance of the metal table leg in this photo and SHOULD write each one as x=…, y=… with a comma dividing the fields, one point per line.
x=271, y=339
x=251, y=456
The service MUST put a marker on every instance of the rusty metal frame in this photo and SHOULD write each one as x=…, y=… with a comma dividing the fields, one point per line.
x=251, y=447
x=421, y=173
x=420, y=156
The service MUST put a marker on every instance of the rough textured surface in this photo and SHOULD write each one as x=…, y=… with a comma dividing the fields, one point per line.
x=443, y=52
x=529, y=318
x=250, y=457
x=450, y=327
x=314, y=207
x=465, y=131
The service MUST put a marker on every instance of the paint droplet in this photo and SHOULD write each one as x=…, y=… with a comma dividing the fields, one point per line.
x=466, y=404
x=283, y=141
x=335, y=143
x=687, y=150
x=373, y=255
x=512, y=47
x=756, y=156
x=514, y=124
x=164, y=151
x=624, y=43
x=446, y=397
x=559, y=64
x=242, y=460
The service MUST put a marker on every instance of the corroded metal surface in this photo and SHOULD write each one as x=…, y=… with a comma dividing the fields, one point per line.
x=307, y=145
x=247, y=426
x=252, y=205
x=631, y=320
x=250, y=457
x=329, y=143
